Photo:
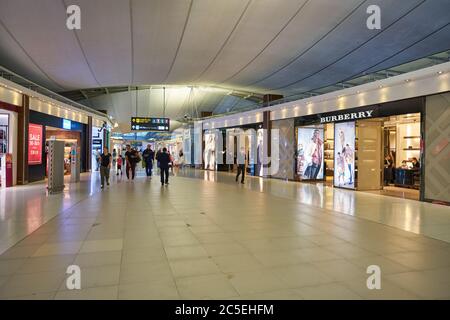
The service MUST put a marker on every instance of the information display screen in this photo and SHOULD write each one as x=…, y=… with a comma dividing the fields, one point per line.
x=344, y=154
x=310, y=153
x=150, y=124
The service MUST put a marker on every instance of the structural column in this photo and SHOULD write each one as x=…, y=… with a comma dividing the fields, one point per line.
x=22, y=141
x=267, y=124
x=88, y=142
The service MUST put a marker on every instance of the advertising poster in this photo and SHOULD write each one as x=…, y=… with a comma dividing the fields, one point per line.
x=209, y=155
x=310, y=153
x=35, y=133
x=344, y=154
x=259, y=152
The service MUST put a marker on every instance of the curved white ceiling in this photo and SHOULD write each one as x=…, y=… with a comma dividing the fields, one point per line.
x=263, y=46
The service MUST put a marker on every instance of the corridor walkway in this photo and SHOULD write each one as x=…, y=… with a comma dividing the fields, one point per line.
x=205, y=237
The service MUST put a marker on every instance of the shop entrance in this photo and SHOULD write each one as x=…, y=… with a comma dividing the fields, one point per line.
x=401, y=165
x=4, y=137
x=70, y=138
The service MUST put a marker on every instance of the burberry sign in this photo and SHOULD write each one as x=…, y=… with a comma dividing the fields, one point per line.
x=347, y=116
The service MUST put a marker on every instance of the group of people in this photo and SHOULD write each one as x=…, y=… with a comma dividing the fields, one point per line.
x=390, y=168
x=132, y=157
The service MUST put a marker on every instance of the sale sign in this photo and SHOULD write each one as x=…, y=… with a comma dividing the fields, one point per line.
x=35, y=136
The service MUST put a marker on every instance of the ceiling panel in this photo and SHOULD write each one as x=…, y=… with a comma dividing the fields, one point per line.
x=40, y=28
x=260, y=23
x=106, y=40
x=314, y=19
x=200, y=45
x=346, y=38
x=157, y=29
x=411, y=29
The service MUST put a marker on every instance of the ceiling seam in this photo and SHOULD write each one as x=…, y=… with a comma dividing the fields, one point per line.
x=226, y=40
x=398, y=52
x=131, y=40
x=82, y=50
x=355, y=49
x=309, y=48
x=356, y=74
x=181, y=39
x=29, y=57
x=269, y=43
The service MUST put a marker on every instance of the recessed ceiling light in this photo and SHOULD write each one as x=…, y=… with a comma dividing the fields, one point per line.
x=440, y=72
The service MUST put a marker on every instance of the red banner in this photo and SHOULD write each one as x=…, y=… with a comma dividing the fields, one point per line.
x=35, y=132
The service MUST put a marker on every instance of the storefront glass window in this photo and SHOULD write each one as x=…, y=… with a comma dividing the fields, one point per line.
x=4, y=126
x=344, y=155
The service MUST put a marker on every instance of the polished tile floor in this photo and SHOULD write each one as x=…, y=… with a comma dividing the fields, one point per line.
x=206, y=237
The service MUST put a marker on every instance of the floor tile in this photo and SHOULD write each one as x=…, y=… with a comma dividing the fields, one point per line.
x=237, y=263
x=222, y=249
x=96, y=293
x=158, y=290
x=421, y=284
x=331, y=291
x=102, y=245
x=301, y=275
x=98, y=259
x=255, y=281
x=205, y=287
x=388, y=291
x=145, y=272
x=185, y=252
x=62, y=248
x=31, y=283
x=46, y=263
x=196, y=267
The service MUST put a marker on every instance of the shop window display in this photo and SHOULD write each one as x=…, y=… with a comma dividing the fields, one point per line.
x=310, y=153
x=210, y=151
x=344, y=155
x=4, y=122
x=259, y=152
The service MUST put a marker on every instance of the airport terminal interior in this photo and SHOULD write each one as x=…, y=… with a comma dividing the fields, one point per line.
x=225, y=150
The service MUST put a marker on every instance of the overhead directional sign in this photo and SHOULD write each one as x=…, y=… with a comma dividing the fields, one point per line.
x=150, y=124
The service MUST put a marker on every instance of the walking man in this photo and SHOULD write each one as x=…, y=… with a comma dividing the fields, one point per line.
x=105, y=166
x=131, y=158
x=164, y=159
x=149, y=156
x=241, y=165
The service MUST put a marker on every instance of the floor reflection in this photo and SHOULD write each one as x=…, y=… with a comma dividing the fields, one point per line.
x=409, y=215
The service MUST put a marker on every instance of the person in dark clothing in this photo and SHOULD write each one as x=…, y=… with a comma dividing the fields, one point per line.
x=415, y=163
x=241, y=166
x=131, y=158
x=105, y=166
x=149, y=156
x=164, y=159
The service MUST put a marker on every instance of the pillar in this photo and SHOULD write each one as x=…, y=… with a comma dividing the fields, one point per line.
x=22, y=141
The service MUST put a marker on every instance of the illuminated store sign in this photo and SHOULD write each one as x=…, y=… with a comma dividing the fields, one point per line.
x=347, y=116
x=67, y=124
